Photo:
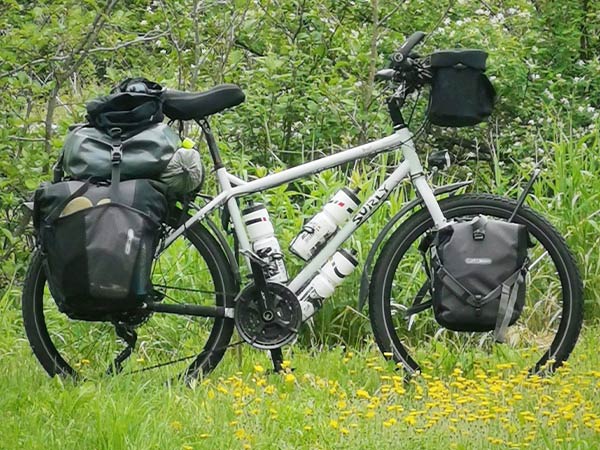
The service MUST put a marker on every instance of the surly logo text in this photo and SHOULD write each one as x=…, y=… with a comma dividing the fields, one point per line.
x=371, y=204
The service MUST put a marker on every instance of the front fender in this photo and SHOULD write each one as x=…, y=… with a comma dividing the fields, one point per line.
x=408, y=207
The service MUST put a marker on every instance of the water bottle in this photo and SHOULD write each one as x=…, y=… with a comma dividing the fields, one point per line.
x=264, y=243
x=316, y=232
x=329, y=277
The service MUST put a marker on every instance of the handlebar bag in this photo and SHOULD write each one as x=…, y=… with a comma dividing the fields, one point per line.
x=146, y=154
x=461, y=94
x=478, y=270
x=98, y=252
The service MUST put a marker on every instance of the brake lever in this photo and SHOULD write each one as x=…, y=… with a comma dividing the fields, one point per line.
x=385, y=75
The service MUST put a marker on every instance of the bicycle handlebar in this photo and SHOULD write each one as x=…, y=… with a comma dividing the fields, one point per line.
x=400, y=55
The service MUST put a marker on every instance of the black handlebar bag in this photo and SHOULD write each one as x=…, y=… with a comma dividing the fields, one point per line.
x=461, y=94
x=478, y=275
x=99, y=241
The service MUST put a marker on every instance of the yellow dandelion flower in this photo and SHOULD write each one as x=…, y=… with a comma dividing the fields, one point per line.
x=344, y=430
x=361, y=393
x=410, y=419
x=307, y=428
x=286, y=364
x=240, y=434
x=258, y=368
x=389, y=423
x=187, y=447
x=176, y=425
x=204, y=436
x=290, y=378
x=334, y=423
x=269, y=389
x=85, y=361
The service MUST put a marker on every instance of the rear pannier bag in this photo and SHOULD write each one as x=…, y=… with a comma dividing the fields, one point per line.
x=146, y=154
x=478, y=275
x=461, y=94
x=99, y=252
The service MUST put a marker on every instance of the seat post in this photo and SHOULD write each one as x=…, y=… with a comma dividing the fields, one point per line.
x=212, y=143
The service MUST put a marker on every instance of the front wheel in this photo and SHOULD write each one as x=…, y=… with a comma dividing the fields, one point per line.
x=542, y=338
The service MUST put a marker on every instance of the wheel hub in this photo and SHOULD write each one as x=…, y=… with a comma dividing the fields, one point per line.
x=274, y=327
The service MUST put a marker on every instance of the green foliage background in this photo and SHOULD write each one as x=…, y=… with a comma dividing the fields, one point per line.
x=308, y=72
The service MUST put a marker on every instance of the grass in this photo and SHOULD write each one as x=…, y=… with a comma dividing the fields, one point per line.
x=332, y=399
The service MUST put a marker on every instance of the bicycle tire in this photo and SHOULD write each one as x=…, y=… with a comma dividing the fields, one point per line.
x=41, y=317
x=399, y=341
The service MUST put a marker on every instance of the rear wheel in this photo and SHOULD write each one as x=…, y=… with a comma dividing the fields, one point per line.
x=542, y=338
x=193, y=270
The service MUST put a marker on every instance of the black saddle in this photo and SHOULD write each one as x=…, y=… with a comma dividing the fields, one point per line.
x=180, y=105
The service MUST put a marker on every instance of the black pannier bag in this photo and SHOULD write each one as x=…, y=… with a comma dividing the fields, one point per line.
x=478, y=270
x=98, y=250
x=461, y=94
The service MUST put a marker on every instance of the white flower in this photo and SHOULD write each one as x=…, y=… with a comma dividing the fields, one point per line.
x=535, y=76
x=447, y=21
x=564, y=101
x=144, y=23
x=549, y=94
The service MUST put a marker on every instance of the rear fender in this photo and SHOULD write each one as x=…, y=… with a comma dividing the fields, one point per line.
x=384, y=233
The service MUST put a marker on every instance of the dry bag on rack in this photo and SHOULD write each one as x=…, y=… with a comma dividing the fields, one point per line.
x=461, y=94
x=478, y=275
x=99, y=240
x=146, y=154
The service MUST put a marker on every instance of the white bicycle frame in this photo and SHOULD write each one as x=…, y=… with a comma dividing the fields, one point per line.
x=233, y=187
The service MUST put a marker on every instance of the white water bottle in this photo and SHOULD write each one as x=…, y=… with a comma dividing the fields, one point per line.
x=329, y=277
x=264, y=243
x=316, y=232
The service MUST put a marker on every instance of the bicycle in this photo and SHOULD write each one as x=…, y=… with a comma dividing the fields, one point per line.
x=196, y=263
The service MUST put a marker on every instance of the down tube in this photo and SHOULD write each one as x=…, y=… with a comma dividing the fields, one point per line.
x=365, y=211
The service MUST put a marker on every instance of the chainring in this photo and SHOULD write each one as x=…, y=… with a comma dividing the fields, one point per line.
x=268, y=334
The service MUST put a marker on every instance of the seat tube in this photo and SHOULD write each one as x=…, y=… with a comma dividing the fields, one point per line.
x=419, y=181
x=234, y=212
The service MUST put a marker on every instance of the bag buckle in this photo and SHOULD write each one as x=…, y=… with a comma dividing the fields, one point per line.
x=478, y=235
x=116, y=154
x=478, y=298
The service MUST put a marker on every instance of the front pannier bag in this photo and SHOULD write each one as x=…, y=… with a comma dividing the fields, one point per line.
x=461, y=94
x=478, y=275
x=98, y=251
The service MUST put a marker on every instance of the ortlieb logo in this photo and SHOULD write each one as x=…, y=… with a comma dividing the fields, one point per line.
x=478, y=261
